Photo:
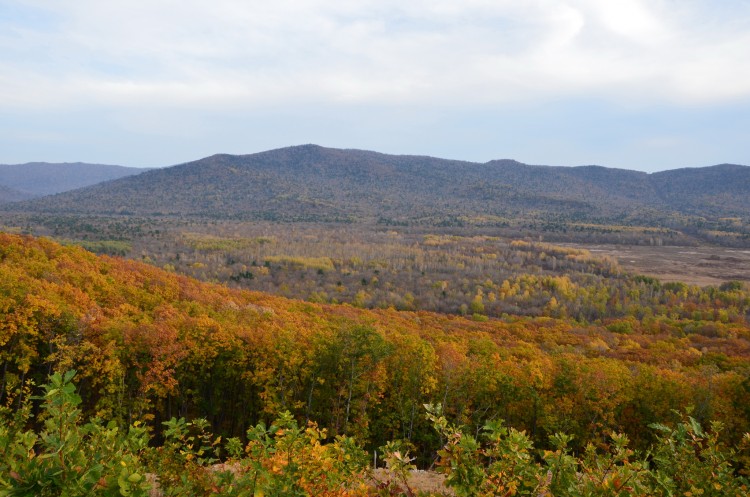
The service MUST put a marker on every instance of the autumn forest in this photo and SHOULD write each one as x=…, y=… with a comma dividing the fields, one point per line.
x=593, y=355
x=217, y=351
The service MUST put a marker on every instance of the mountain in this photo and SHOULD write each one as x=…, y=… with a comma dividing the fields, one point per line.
x=313, y=183
x=717, y=190
x=36, y=179
x=11, y=195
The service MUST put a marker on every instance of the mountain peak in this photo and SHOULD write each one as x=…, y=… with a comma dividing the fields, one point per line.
x=505, y=162
x=312, y=183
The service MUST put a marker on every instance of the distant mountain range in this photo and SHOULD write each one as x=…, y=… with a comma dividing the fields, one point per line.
x=11, y=195
x=37, y=179
x=313, y=183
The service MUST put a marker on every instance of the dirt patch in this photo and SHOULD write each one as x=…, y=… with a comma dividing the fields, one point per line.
x=420, y=481
x=700, y=266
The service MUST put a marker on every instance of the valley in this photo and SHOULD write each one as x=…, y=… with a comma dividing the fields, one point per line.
x=306, y=305
x=700, y=265
x=457, y=270
x=375, y=249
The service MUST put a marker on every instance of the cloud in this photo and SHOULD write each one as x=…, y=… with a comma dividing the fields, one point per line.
x=246, y=54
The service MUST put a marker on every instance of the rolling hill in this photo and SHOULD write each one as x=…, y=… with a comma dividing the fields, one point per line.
x=36, y=179
x=11, y=195
x=312, y=183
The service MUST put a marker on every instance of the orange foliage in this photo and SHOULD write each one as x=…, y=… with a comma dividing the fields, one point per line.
x=148, y=343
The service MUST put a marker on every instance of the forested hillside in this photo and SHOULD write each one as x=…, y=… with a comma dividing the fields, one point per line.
x=36, y=179
x=707, y=191
x=149, y=343
x=10, y=195
x=312, y=183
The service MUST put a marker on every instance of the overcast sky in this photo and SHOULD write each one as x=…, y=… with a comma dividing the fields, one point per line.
x=637, y=84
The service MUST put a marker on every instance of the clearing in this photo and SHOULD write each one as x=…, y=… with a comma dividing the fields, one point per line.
x=702, y=266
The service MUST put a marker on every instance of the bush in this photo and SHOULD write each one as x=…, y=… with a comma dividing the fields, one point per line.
x=68, y=457
x=686, y=460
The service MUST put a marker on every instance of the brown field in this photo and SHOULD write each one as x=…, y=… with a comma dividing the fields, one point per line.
x=700, y=266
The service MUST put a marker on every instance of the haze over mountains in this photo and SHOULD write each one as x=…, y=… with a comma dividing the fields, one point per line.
x=36, y=179
x=314, y=183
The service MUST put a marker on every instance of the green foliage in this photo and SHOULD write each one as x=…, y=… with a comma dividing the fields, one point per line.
x=316, y=263
x=287, y=460
x=108, y=247
x=621, y=327
x=209, y=243
x=71, y=458
x=691, y=461
x=68, y=457
x=181, y=463
x=502, y=465
x=731, y=286
x=282, y=459
x=460, y=457
x=685, y=460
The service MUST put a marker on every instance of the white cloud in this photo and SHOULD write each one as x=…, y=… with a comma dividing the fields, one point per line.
x=249, y=53
x=635, y=20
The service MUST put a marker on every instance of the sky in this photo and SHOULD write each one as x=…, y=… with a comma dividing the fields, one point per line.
x=635, y=84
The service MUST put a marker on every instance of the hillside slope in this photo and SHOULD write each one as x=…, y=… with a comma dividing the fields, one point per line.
x=720, y=190
x=150, y=344
x=36, y=179
x=321, y=184
x=11, y=195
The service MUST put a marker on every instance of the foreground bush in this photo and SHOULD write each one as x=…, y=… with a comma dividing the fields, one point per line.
x=685, y=460
x=68, y=457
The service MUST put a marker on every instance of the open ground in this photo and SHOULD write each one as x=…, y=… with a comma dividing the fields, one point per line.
x=702, y=266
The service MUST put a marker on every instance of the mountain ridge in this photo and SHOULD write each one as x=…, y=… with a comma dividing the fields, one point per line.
x=8, y=194
x=314, y=183
x=35, y=179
